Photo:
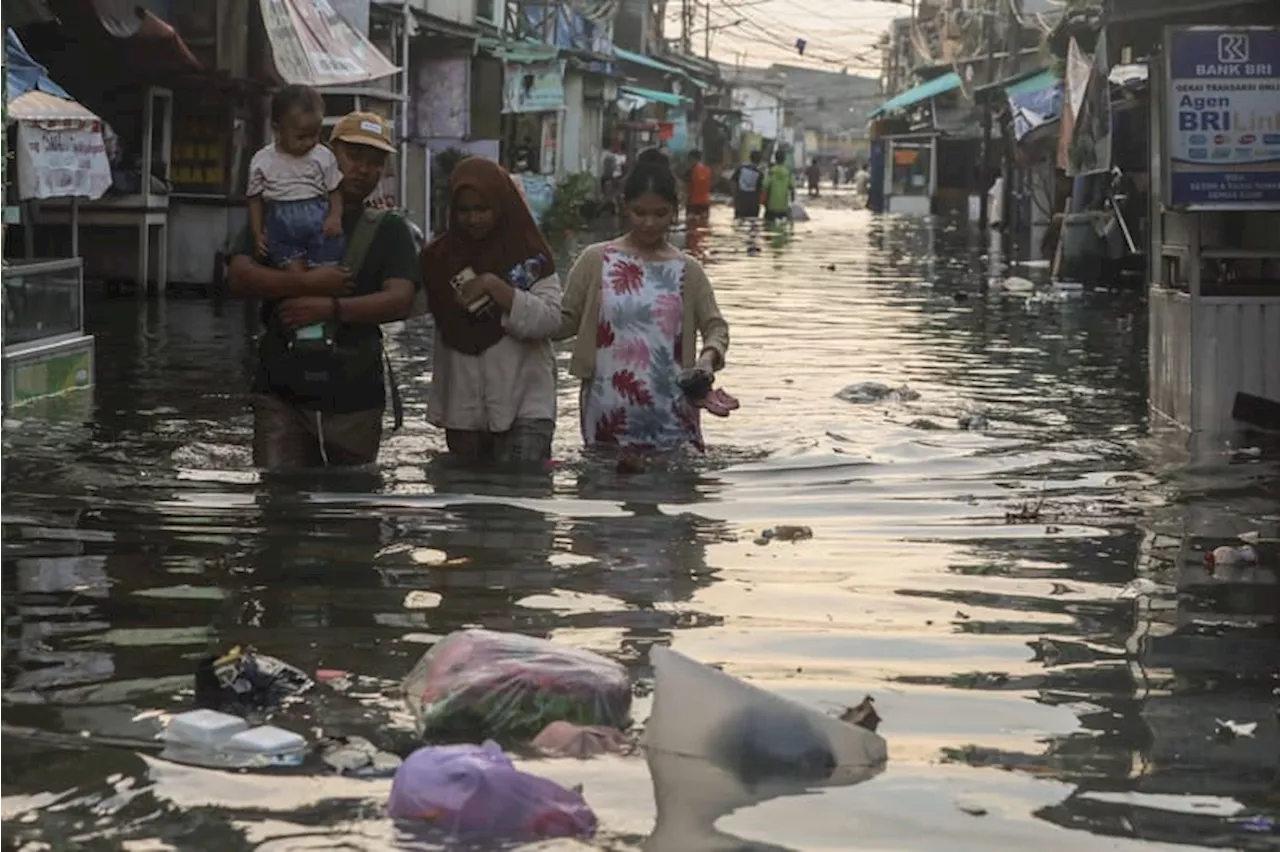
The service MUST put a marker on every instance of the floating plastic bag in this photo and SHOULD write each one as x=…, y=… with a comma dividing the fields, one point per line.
x=756, y=735
x=475, y=794
x=480, y=683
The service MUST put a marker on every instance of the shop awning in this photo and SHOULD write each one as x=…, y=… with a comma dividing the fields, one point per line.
x=42, y=106
x=646, y=61
x=653, y=96
x=938, y=86
x=313, y=45
x=522, y=52
x=1035, y=83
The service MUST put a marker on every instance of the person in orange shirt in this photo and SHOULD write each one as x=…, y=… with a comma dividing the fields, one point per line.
x=698, y=205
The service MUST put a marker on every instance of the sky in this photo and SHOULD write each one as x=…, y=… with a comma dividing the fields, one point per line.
x=839, y=33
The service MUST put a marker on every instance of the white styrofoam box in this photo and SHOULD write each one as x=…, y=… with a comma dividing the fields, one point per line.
x=204, y=728
x=267, y=739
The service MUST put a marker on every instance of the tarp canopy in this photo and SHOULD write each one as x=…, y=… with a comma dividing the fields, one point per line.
x=312, y=45
x=1034, y=101
x=937, y=86
x=24, y=73
x=651, y=96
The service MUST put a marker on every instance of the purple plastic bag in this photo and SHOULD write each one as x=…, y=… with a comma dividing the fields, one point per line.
x=474, y=793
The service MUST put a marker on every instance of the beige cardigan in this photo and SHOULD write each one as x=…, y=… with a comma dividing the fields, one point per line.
x=580, y=313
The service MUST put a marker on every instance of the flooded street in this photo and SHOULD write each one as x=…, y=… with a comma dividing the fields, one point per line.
x=967, y=578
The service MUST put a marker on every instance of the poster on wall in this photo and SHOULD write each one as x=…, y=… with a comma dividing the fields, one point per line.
x=442, y=106
x=533, y=86
x=1223, y=118
x=539, y=192
x=61, y=159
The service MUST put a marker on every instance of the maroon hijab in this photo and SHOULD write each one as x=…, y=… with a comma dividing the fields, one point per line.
x=514, y=250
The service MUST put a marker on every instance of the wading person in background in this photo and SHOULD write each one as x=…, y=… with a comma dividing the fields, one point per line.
x=814, y=174
x=638, y=306
x=493, y=290
x=746, y=181
x=698, y=206
x=318, y=400
x=779, y=189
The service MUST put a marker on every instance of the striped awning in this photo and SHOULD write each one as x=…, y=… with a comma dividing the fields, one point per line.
x=42, y=106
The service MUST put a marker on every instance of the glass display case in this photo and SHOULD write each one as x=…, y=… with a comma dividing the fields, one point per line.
x=46, y=351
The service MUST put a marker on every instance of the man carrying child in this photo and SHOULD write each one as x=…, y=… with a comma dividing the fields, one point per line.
x=319, y=388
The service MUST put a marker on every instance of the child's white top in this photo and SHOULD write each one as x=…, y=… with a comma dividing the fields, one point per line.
x=278, y=176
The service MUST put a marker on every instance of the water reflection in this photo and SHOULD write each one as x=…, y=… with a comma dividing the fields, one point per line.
x=966, y=577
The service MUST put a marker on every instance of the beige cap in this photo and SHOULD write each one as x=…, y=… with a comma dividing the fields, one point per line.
x=364, y=128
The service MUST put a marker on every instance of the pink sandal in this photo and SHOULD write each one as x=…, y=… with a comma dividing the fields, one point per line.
x=719, y=403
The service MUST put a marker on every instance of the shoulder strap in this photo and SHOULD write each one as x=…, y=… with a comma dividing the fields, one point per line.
x=362, y=239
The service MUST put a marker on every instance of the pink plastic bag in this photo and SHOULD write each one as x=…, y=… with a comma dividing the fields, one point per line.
x=482, y=684
x=475, y=794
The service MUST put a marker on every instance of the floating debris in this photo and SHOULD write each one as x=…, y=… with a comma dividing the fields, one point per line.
x=1227, y=730
x=358, y=757
x=432, y=558
x=863, y=715
x=867, y=392
x=1026, y=513
x=785, y=532
x=1139, y=588
x=1227, y=555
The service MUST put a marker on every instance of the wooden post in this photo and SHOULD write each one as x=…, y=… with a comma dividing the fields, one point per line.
x=989, y=39
x=1012, y=40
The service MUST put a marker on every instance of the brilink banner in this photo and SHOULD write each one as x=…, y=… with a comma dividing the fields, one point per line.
x=1224, y=118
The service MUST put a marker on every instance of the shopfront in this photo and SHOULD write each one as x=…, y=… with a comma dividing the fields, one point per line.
x=59, y=157
x=533, y=108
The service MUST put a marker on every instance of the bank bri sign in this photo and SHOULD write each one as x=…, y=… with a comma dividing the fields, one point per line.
x=1223, y=142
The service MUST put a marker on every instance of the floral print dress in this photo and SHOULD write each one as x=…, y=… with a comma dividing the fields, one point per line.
x=634, y=401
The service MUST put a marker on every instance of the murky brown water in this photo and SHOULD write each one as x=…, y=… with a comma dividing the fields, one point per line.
x=1025, y=704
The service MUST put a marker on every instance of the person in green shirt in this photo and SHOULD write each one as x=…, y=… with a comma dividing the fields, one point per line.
x=779, y=189
x=318, y=390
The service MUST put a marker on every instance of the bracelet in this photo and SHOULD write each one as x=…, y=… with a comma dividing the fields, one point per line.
x=337, y=309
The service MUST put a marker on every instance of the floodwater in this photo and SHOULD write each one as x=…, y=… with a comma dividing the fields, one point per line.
x=968, y=579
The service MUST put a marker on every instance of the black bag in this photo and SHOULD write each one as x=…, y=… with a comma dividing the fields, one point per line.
x=316, y=370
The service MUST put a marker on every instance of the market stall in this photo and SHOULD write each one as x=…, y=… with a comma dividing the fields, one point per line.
x=1214, y=299
x=59, y=153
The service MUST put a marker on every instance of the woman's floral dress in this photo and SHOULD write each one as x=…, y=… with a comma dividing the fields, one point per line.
x=634, y=401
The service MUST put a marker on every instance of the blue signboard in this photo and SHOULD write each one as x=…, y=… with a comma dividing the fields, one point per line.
x=1224, y=118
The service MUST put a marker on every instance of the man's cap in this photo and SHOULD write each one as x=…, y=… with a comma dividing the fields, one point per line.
x=364, y=128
